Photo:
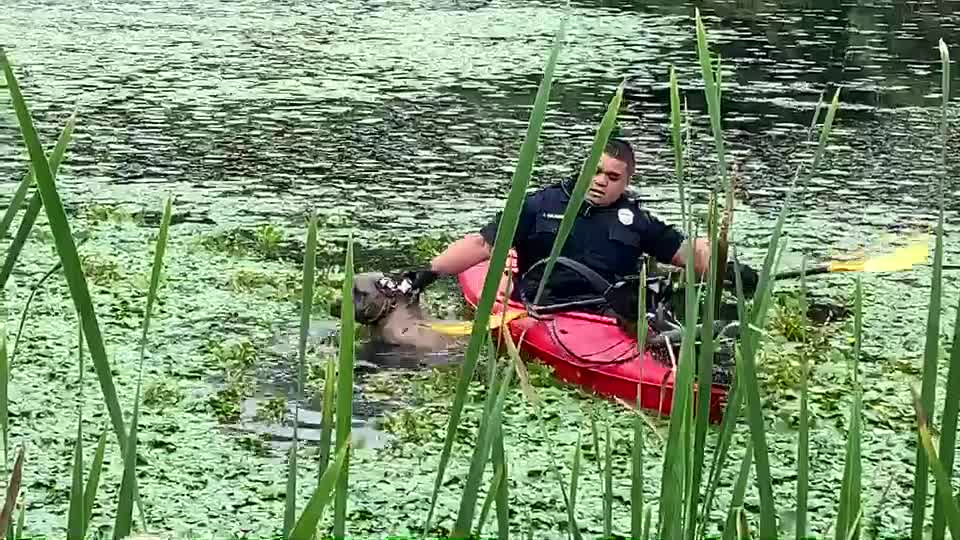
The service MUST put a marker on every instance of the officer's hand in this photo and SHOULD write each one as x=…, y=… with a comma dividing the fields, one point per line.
x=420, y=279
x=748, y=276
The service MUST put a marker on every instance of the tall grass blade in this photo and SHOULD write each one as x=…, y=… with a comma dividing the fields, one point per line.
x=124, y=519
x=636, y=485
x=739, y=494
x=93, y=480
x=488, y=426
x=75, y=514
x=502, y=500
x=306, y=526
x=18, y=533
x=531, y=394
x=157, y=268
x=13, y=488
x=803, y=442
x=929, y=388
x=951, y=510
x=850, y=504
x=67, y=251
x=4, y=397
x=646, y=523
x=574, y=482
x=16, y=202
x=344, y=393
x=608, y=487
x=735, y=395
x=479, y=460
x=948, y=431
x=504, y=239
x=587, y=172
x=712, y=92
x=730, y=416
x=677, y=137
x=290, y=498
x=677, y=458
x=950, y=406
x=488, y=499
x=750, y=338
x=704, y=380
x=671, y=480
x=33, y=207
x=76, y=525
x=596, y=443
x=306, y=303
x=326, y=422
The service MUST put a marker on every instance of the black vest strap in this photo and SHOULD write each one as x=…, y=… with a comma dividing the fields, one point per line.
x=597, y=281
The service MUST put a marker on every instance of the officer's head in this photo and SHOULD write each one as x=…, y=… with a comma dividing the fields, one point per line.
x=614, y=170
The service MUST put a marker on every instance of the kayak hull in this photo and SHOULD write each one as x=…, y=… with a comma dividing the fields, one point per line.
x=590, y=351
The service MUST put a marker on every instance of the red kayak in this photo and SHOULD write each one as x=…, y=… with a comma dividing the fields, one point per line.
x=590, y=351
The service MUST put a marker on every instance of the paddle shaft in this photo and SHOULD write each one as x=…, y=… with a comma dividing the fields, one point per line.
x=825, y=269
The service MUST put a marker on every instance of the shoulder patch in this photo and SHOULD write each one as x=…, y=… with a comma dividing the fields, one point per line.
x=626, y=216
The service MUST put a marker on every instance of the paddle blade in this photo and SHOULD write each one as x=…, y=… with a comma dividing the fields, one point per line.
x=902, y=258
x=464, y=328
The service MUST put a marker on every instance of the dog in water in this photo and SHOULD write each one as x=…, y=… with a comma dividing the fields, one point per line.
x=397, y=324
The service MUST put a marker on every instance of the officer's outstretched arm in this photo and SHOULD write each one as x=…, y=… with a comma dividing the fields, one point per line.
x=461, y=255
x=701, y=256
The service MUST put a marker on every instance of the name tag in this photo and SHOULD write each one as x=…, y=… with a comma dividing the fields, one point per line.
x=553, y=216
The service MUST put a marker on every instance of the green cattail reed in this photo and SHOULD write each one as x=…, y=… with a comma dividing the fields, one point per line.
x=573, y=526
x=739, y=494
x=66, y=249
x=326, y=421
x=950, y=508
x=76, y=526
x=13, y=491
x=306, y=305
x=306, y=527
x=950, y=405
x=505, y=233
x=803, y=439
x=850, y=488
x=33, y=207
x=344, y=394
x=490, y=424
x=636, y=479
x=502, y=499
x=587, y=172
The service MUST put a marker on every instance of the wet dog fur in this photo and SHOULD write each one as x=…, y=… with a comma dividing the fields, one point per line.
x=397, y=322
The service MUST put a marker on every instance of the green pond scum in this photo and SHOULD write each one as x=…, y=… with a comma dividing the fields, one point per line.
x=200, y=399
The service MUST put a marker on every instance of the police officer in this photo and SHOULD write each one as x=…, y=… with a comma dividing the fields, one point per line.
x=610, y=235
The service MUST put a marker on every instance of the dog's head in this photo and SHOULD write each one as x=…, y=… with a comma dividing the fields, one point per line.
x=372, y=300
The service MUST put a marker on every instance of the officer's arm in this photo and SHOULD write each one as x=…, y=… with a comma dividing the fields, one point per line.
x=475, y=248
x=461, y=255
x=701, y=256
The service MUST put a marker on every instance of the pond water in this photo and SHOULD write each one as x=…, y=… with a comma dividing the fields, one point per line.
x=403, y=119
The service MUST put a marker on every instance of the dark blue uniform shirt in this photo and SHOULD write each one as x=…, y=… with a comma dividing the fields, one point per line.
x=610, y=240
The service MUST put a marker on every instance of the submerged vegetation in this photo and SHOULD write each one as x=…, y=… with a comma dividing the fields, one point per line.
x=545, y=460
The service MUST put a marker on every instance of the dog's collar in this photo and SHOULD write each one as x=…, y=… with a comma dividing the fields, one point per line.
x=392, y=290
x=385, y=309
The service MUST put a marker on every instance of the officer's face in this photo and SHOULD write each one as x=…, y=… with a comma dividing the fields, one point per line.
x=609, y=182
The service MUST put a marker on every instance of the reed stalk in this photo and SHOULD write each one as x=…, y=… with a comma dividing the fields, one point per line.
x=344, y=409
x=953, y=377
x=505, y=232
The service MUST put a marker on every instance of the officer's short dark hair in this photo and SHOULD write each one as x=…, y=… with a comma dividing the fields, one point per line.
x=621, y=150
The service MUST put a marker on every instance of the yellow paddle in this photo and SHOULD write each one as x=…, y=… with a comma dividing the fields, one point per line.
x=902, y=258
x=464, y=328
